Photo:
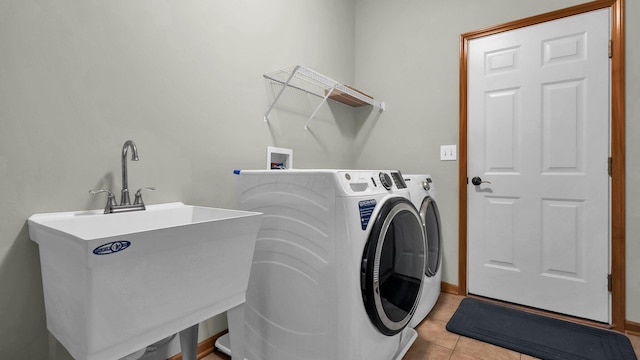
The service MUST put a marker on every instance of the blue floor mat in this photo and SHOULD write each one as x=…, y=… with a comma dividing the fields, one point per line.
x=536, y=335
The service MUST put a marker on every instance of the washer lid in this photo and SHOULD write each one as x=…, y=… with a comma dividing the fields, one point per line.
x=393, y=264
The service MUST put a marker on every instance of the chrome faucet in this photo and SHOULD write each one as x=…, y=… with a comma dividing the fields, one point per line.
x=124, y=194
x=125, y=201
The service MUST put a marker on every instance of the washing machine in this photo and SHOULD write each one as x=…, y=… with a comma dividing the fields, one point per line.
x=338, y=266
x=422, y=194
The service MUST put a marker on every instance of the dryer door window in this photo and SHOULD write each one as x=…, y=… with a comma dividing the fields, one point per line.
x=431, y=217
x=393, y=265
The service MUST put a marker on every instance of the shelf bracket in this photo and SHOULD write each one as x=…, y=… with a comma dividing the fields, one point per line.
x=273, y=104
x=324, y=100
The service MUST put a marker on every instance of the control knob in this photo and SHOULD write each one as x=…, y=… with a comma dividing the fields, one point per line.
x=386, y=181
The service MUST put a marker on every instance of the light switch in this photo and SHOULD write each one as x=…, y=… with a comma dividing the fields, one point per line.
x=448, y=152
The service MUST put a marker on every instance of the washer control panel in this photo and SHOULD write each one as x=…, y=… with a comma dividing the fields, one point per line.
x=363, y=181
x=398, y=180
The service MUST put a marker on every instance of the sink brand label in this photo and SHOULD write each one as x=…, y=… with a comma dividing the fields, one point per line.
x=366, y=209
x=112, y=247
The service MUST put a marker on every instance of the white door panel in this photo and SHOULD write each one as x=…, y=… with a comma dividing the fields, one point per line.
x=538, y=127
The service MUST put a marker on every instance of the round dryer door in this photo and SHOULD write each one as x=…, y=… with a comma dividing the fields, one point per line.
x=431, y=217
x=393, y=264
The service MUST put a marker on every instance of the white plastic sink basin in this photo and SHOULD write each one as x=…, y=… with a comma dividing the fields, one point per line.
x=115, y=283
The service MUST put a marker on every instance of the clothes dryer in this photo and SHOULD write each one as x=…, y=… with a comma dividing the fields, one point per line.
x=422, y=194
x=338, y=265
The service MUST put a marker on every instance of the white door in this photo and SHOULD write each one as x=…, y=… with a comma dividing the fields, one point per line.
x=538, y=130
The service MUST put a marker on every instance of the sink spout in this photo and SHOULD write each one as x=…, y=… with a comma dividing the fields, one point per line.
x=124, y=198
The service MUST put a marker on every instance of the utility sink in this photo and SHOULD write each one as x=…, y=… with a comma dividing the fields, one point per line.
x=116, y=283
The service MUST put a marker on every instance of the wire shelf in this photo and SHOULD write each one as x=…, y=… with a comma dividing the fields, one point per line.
x=314, y=83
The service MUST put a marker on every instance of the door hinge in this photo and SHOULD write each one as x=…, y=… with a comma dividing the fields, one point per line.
x=610, y=49
x=609, y=283
x=610, y=166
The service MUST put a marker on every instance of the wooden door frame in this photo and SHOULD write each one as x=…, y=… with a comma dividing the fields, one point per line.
x=618, y=305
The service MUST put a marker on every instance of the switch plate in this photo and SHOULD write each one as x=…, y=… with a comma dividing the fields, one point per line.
x=448, y=152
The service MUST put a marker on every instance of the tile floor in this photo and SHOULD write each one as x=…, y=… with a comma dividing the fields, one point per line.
x=434, y=342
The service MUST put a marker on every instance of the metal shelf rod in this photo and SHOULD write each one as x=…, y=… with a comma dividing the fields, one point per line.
x=273, y=104
x=306, y=125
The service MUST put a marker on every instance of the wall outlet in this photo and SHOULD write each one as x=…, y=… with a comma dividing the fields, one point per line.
x=448, y=152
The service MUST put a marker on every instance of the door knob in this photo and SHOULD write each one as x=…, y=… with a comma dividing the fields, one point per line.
x=477, y=181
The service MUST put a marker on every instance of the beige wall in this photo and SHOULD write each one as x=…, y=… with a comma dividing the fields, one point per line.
x=409, y=53
x=632, y=79
x=184, y=80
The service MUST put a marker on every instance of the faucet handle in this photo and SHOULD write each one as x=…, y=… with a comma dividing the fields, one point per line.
x=111, y=199
x=138, y=198
x=98, y=191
